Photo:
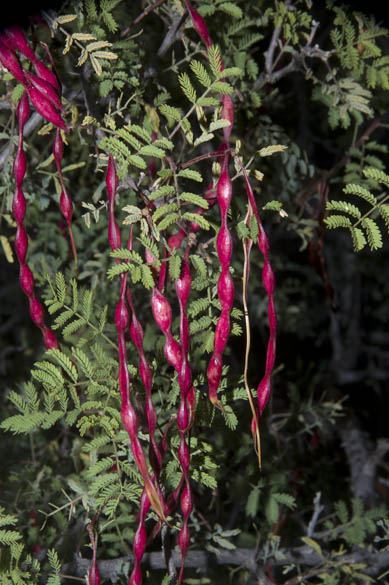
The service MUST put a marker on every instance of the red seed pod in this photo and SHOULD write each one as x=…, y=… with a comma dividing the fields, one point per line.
x=46, y=109
x=111, y=178
x=15, y=37
x=26, y=280
x=226, y=289
x=121, y=315
x=183, y=417
x=222, y=332
x=10, y=61
x=23, y=110
x=94, y=575
x=161, y=310
x=49, y=339
x=224, y=246
x=45, y=88
x=224, y=190
x=21, y=244
x=19, y=167
x=44, y=73
x=66, y=206
x=186, y=500
x=172, y=353
x=268, y=278
x=36, y=312
x=19, y=205
x=227, y=114
x=199, y=24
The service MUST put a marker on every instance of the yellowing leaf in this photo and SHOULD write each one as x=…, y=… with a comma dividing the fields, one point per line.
x=7, y=249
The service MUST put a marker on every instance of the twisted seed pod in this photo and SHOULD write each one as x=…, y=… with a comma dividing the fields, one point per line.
x=93, y=577
x=199, y=25
x=14, y=38
x=224, y=240
x=45, y=108
x=263, y=391
x=140, y=539
x=21, y=241
x=10, y=61
x=45, y=88
x=128, y=414
x=225, y=285
x=185, y=412
x=64, y=201
x=136, y=332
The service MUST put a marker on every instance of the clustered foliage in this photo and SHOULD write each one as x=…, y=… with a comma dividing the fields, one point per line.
x=165, y=140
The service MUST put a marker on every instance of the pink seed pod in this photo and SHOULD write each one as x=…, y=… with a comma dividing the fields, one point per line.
x=14, y=37
x=21, y=241
x=10, y=61
x=49, y=339
x=21, y=244
x=26, y=280
x=44, y=73
x=36, y=312
x=19, y=167
x=19, y=205
x=264, y=387
x=161, y=310
x=46, y=109
x=66, y=206
x=199, y=25
x=23, y=110
x=128, y=414
x=45, y=88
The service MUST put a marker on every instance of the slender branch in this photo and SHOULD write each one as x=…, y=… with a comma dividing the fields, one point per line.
x=148, y=10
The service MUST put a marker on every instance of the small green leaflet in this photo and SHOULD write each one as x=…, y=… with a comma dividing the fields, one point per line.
x=187, y=87
x=201, y=73
x=197, y=219
x=204, y=137
x=217, y=124
x=195, y=199
x=174, y=267
x=190, y=174
x=269, y=150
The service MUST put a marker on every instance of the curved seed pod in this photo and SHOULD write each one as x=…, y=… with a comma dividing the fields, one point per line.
x=225, y=285
x=10, y=61
x=65, y=202
x=263, y=391
x=14, y=37
x=145, y=374
x=128, y=414
x=44, y=72
x=199, y=25
x=21, y=241
x=45, y=108
x=45, y=88
x=93, y=577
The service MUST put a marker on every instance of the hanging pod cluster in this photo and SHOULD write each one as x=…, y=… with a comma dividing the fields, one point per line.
x=177, y=352
x=43, y=90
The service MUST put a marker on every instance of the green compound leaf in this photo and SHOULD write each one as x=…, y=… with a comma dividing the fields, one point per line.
x=190, y=174
x=168, y=220
x=359, y=240
x=163, y=210
x=151, y=150
x=137, y=161
x=335, y=221
x=197, y=219
x=163, y=191
x=175, y=267
x=195, y=199
x=187, y=87
x=201, y=73
x=345, y=207
x=140, y=132
x=355, y=189
x=215, y=61
x=384, y=212
x=373, y=233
